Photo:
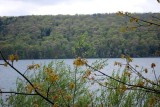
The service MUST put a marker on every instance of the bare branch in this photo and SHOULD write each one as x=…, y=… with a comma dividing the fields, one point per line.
x=141, y=76
x=149, y=22
x=11, y=92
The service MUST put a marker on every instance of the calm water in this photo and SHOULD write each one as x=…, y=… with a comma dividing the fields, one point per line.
x=8, y=76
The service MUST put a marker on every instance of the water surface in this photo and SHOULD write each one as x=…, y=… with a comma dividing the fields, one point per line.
x=8, y=75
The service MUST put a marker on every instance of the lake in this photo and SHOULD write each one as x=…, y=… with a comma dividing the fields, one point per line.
x=8, y=76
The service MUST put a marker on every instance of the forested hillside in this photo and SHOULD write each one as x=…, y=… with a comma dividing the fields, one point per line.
x=65, y=36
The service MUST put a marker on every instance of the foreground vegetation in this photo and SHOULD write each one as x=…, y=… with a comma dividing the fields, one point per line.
x=105, y=35
x=83, y=85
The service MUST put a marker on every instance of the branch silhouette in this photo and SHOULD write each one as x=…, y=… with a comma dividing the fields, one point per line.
x=38, y=93
x=148, y=89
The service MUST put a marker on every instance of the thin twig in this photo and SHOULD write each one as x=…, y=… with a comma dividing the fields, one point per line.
x=10, y=92
x=140, y=75
x=115, y=88
x=151, y=23
x=25, y=71
x=155, y=76
x=75, y=85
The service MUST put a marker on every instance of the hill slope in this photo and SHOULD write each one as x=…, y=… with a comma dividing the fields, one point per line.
x=64, y=36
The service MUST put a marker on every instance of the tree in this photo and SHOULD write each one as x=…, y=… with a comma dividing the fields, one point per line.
x=150, y=26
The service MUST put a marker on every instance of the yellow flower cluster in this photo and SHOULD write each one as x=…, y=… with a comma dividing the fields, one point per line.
x=55, y=105
x=127, y=57
x=71, y=85
x=87, y=74
x=30, y=89
x=68, y=97
x=122, y=88
x=127, y=73
x=141, y=83
x=33, y=66
x=48, y=70
x=117, y=63
x=79, y=62
x=51, y=75
x=13, y=57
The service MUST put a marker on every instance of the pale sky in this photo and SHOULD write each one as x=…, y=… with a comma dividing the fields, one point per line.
x=54, y=7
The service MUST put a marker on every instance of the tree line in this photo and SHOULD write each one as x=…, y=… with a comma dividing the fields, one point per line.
x=68, y=36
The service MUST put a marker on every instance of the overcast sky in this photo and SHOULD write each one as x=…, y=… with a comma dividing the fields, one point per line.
x=54, y=7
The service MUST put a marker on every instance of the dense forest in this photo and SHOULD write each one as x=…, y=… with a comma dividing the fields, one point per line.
x=68, y=36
